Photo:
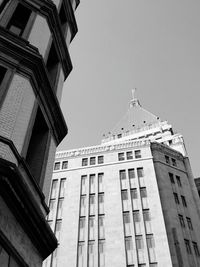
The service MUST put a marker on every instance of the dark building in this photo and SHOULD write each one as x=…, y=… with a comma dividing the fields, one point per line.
x=197, y=182
x=34, y=62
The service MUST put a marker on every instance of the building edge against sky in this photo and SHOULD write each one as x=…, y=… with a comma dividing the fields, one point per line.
x=130, y=201
x=34, y=62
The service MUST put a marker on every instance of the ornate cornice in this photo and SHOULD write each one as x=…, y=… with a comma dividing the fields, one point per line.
x=101, y=149
x=166, y=150
x=25, y=58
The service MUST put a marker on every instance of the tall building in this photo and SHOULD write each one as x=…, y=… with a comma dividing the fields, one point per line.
x=130, y=201
x=34, y=62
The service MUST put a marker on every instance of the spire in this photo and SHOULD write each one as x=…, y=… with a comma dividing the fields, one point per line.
x=134, y=100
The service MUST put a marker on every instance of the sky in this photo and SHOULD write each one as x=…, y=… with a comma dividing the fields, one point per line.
x=153, y=46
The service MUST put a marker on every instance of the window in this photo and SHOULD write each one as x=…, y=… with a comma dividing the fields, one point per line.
x=60, y=208
x=183, y=201
x=52, y=209
x=92, y=204
x=167, y=160
x=196, y=249
x=131, y=176
x=125, y=200
x=129, y=155
x=189, y=222
x=134, y=194
x=146, y=216
x=2, y=73
x=129, y=250
x=178, y=179
x=121, y=156
x=138, y=154
x=176, y=198
x=56, y=166
x=171, y=176
x=140, y=172
x=83, y=184
x=81, y=247
x=122, y=175
x=64, y=164
x=58, y=229
x=181, y=219
x=82, y=229
x=91, y=254
x=92, y=183
x=139, y=242
x=85, y=162
x=119, y=136
x=150, y=241
x=52, y=64
x=19, y=20
x=91, y=228
x=143, y=192
x=134, y=199
x=62, y=188
x=174, y=162
x=100, y=159
x=92, y=161
x=100, y=182
x=187, y=245
x=101, y=253
x=136, y=216
x=54, y=189
x=127, y=225
x=101, y=203
x=83, y=206
x=7, y=260
x=101, y=227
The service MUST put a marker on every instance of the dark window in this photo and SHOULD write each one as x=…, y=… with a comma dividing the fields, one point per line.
x=140, y=172
x=196, y=249
x=183, y=201
x=65, y=165
x=137, y=154
x=167, y=159
x=171, y=176
x=19, y=20
x=134, y=194
x=178, y=179
x=37, y=148
x=143, y=192
x=92, y=161
x=131, y=173
x=187, y=245
x=129, y=155
x=121, y=156
x=176, y=198
x=2, y=73
x=174, y=162
x=100, y=159
x=189, y=222
x=181, y=219
x=85, y=162
x=52, y=64
x=56, y=166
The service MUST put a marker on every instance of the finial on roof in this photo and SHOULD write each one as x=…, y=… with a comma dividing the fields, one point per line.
x=134, y=101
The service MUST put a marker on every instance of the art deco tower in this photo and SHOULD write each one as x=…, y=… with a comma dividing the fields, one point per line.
x=34, y=62
x=129, y=202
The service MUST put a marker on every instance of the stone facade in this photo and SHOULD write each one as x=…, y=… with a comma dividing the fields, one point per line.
x=34, y=63
x=130, y=201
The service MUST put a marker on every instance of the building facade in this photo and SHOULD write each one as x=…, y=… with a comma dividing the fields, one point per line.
x=34, y=62
x=130, y=201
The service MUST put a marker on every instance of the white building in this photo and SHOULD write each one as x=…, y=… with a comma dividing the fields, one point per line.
x=130, y=201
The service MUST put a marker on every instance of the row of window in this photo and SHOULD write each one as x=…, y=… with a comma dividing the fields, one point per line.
x=134, y=199
x=92, y=160
x=92, y=257
x=93, y=179
x=188, y=247
x=176, y=198
x=170, y=161
x=129, y=155
x=172, y=179
x=131, y=176
x=92, y=204
x=182, y=222
x=60, y=165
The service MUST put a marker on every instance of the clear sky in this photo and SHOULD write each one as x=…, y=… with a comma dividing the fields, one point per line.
x=153, y=45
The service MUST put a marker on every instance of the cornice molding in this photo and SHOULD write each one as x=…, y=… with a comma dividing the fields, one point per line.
x=166, y=150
